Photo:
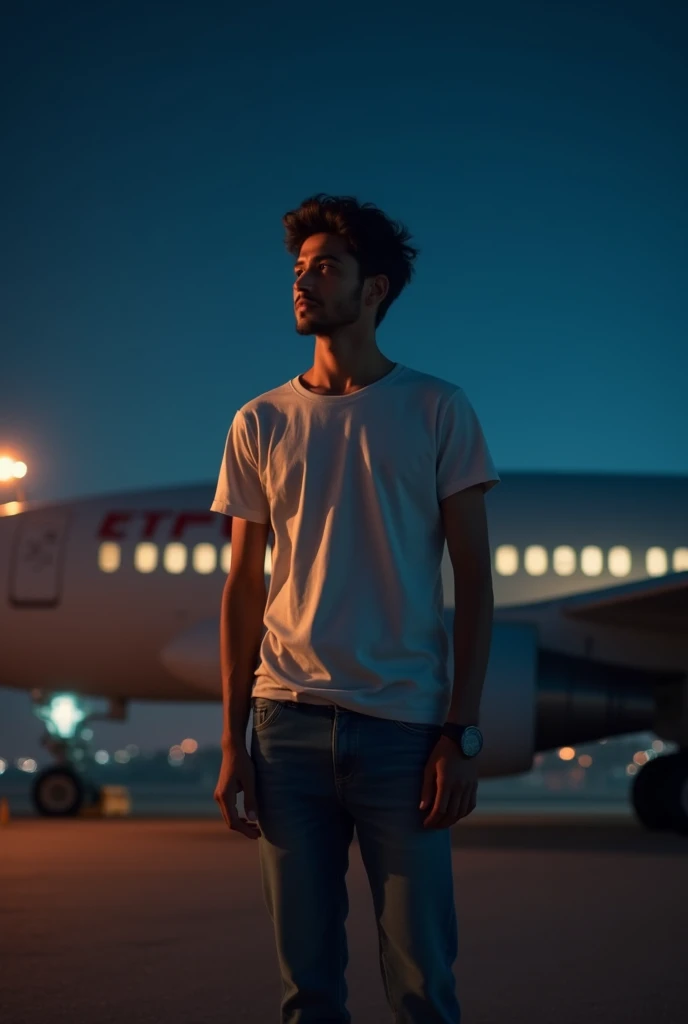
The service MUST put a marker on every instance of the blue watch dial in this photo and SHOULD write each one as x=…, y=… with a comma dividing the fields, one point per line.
x=471, y=741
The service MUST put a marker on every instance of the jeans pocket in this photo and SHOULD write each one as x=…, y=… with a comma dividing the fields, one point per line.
x=420, y=728
x=265, y=711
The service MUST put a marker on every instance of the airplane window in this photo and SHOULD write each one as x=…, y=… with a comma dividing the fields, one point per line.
x=109, y=556
x=680, y=560
x=592, y=560
x=506, y=560
x=619, y=561
x=535, y=560
x=175, y=557
x=204, y=558
x=656, y=562
x=146, y=556
x=564, y=560
x=225, y=557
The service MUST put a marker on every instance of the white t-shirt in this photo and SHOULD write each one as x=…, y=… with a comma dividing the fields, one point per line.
x=351, y=485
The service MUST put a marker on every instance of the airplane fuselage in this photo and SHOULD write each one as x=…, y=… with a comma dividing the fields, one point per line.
x=117, y=577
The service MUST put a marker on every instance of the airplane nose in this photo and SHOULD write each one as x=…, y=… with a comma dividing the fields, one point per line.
x=192, y=656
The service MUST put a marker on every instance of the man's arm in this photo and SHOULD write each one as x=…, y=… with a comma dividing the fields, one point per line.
x=241, y=627
x=465, y=528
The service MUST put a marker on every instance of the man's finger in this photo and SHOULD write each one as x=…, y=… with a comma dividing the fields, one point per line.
x=439, y=806
x=446, y=817
x=221, y=804
x=228, y=811
x=470, y=800
x=427, y=791
x=241, y=824
x=456, y=806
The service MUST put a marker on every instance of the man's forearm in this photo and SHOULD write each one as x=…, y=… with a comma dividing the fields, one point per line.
x=474, y=608
x=241, y=633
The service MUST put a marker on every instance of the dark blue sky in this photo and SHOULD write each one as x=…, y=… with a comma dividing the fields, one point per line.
x=536, y=152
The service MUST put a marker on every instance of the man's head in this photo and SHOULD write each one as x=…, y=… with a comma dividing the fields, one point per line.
x=351, y=261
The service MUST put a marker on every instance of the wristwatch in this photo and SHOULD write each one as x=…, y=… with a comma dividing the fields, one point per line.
x=468, y=738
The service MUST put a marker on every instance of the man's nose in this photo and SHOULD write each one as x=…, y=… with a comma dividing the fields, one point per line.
x=302, y=287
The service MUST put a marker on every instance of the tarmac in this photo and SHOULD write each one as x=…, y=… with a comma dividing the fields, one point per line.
x=563, y=919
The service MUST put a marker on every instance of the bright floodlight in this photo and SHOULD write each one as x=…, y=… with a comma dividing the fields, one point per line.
x=65, y=714
x=11, y=470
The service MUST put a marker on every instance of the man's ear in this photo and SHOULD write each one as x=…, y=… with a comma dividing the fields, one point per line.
x=379, y=288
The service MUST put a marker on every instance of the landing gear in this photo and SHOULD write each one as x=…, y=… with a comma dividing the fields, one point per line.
x=58, y=792
x=63, y=790
x=676, y=793
x=660, y=793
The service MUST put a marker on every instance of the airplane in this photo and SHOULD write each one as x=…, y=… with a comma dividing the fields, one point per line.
x=118, y=596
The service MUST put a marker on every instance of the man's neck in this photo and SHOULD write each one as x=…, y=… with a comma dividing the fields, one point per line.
x=326, y=377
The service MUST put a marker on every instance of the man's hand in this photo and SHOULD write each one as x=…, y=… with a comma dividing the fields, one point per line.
x=450, y=785
x=236, y=774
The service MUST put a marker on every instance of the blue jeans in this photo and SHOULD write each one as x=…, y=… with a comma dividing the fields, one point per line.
x=319, y=771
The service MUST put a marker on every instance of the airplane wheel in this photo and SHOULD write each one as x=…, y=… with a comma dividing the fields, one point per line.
x=649, y=793
x=677, y=792
x=58, y=793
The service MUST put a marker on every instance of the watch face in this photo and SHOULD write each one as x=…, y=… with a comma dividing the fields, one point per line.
x=471, y=741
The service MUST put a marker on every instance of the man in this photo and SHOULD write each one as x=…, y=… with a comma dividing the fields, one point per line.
x=364, y=468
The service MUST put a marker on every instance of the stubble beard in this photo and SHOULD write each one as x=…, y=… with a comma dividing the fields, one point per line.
x=346, y=312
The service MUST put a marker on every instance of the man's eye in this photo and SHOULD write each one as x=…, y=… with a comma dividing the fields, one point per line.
x=320, y=266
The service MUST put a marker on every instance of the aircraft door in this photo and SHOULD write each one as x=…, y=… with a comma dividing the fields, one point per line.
x=38, y=558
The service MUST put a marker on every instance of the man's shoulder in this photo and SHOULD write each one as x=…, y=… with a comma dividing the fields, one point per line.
x=430, y=384
x=266, y=403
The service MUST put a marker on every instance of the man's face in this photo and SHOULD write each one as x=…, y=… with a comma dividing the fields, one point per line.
x=327, y=289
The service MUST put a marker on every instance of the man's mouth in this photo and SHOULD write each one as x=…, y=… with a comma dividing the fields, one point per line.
x=306, y=303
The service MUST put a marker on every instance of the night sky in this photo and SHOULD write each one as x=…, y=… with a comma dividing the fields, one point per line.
x=537, y=153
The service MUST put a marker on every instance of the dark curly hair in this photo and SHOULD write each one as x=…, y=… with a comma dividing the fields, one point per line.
x=380, y=245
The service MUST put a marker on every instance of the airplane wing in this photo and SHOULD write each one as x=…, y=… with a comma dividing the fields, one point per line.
x=658, y=605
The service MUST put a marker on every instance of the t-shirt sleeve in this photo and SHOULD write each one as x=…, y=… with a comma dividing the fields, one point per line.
x=463, y=458
x=239, y=489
